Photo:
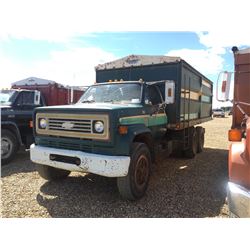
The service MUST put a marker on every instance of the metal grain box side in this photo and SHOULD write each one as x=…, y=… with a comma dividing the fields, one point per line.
x=196, y=95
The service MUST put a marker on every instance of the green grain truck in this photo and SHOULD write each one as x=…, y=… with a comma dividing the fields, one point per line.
x=140, y=109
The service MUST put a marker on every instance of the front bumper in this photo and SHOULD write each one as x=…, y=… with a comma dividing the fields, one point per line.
x=238, y=201
x=105, y=165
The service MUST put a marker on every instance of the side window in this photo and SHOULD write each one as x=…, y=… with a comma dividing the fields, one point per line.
x=152, y=95
x=42, y=101
x=25, y=98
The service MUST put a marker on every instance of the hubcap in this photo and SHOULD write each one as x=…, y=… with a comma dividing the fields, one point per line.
x=6, y=147
x=141, y=172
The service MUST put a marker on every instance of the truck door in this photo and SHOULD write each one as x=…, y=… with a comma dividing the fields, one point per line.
x=23, y=111
x=156, y=109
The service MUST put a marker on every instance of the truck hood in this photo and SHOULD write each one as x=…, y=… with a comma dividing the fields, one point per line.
x=5, y=107
x=92, y=106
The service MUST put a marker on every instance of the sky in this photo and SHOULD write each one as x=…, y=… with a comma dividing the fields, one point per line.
x=62, y=42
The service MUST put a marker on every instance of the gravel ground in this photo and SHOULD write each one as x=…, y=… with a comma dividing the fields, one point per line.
x=178, y=187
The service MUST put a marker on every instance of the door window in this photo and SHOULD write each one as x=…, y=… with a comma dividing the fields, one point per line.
x=152, y=95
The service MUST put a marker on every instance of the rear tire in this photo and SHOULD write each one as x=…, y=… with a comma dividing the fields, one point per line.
x=134, y=185
x=9, y=146
x=201, y=138
x=193, y=142
x=50, y=173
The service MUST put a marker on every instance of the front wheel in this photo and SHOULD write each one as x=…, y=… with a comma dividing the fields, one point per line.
x=134, y=185
x=9, y=146
x=50, y=173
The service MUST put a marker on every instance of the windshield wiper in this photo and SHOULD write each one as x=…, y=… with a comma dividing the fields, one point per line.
x=88, y=101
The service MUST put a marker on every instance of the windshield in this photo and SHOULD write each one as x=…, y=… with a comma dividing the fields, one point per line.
x=114, y=93
x=6, y=97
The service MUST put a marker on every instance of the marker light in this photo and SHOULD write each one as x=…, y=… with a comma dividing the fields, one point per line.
x=234, y=135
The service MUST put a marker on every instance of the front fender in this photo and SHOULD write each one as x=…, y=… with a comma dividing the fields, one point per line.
x=238, y=163
x=14, y=128
x=138, y=129
x=141, y=133
x=124, y=142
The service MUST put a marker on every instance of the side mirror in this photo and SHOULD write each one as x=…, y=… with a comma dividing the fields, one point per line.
x=169, y=92
x=37, y=96
x=148, y=102
x=223, y=86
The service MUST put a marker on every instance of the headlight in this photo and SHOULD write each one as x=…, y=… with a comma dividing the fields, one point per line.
x=98, y=127
x=42, y=123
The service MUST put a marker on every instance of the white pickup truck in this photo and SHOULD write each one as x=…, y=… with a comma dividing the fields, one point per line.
x=218, y=113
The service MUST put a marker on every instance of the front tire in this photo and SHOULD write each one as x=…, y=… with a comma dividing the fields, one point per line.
x=9, y=146
x=134, y=185
x=50, y=173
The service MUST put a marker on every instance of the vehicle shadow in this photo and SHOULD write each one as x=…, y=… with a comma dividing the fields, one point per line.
x=178, y=188
x=20, y=164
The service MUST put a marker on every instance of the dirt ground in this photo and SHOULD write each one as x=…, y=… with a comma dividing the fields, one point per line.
x=178, y=188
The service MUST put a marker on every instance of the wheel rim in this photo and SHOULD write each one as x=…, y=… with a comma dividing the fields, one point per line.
x=141, y=172
x=6, y=147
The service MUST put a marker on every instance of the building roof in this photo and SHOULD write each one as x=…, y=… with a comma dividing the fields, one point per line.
x=137, y=60
x=33, y=81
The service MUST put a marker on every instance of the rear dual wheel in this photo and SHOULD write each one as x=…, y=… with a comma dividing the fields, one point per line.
x=196, y=141
x=191, y=151
x=201, y=138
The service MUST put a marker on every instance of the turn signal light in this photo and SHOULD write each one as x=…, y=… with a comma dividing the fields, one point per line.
x=234, y=135
x=123, y=130
x=31, y=124
x=169, y=92
x=223, y=86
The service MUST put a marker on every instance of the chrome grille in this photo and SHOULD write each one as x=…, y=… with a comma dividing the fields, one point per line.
x=77, y=125
x=49, y=142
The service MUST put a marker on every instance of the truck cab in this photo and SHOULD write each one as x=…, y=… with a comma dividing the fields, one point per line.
x=17, y=107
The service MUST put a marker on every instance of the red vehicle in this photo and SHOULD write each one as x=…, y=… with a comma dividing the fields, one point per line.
x=53, y=93
x=239, y=135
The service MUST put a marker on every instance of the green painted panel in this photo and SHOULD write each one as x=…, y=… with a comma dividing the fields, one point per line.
x=147, y=120
x=205, y=98
x=134, y=120
x=157, y=120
